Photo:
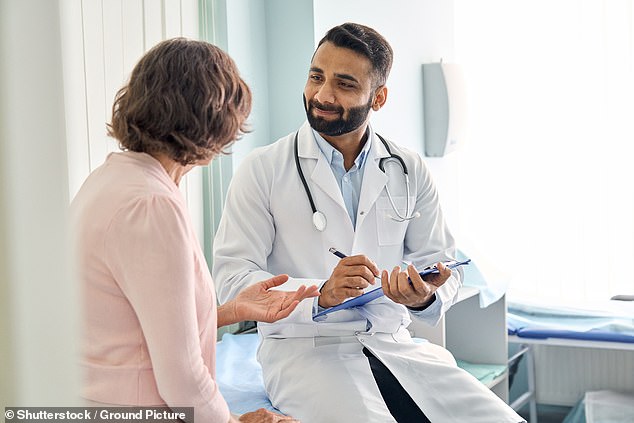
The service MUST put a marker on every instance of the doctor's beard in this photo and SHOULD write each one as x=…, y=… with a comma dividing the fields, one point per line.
x=356, y=117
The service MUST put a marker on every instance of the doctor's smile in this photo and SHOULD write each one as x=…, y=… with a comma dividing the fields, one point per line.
x=324, y=109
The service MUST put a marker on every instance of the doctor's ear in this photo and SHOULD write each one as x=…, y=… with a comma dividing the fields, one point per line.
x=380, y=96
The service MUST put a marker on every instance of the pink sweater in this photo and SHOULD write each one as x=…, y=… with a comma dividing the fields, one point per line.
x=149, y=308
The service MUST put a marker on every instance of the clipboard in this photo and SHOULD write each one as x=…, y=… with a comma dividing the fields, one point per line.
x=378, y=292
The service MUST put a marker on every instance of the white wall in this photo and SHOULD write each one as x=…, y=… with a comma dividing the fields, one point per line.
x=271, y=42
x=246, y=43
x=38, y=305
x=290, y=48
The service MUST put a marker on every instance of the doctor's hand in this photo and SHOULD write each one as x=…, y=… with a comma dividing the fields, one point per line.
x=420, y=293
x=348, y=279
x=260, y=303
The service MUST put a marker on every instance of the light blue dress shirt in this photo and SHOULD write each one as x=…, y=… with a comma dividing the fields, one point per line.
x=349, y=181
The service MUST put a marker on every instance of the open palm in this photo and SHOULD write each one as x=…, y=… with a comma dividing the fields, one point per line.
x=260, y=303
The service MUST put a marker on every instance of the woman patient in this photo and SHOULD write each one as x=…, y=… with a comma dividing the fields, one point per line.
x=149, y=304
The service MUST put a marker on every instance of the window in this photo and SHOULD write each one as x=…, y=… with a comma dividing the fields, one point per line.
x=547, y=175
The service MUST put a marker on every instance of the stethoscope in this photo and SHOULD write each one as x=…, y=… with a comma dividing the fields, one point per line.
x=319, y=219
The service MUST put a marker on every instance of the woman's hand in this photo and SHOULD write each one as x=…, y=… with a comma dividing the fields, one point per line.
x=265, y=416
x=260, y=303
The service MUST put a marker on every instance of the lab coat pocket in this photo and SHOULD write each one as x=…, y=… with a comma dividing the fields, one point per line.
x=389, y=230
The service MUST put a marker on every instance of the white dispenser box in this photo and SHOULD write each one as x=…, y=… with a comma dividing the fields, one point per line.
x=444, y=108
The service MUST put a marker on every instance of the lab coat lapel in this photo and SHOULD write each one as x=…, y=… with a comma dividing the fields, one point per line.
x=321, y=175
x=374, y=180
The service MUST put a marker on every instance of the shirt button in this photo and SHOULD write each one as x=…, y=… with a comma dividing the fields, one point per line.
x=361, y=213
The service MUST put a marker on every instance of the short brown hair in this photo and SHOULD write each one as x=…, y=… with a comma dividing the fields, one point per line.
x=367, y=42
x=185, y=99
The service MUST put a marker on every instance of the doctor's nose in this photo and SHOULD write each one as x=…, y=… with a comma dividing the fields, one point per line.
x=325, y=94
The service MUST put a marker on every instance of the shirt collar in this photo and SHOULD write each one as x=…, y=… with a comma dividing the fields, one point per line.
x=330, y=152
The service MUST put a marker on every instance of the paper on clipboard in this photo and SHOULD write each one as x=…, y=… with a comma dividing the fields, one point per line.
x=378, y=292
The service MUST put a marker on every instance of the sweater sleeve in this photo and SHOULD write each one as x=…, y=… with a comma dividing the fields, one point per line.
x=149, y=250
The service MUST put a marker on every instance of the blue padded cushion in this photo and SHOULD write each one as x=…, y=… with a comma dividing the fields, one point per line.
x=592, y=335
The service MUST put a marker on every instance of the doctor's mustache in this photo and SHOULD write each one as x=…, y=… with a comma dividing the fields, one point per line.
x=315, y=104
x=327, y=108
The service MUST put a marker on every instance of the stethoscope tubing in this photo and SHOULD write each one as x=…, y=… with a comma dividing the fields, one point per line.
x=301, y=176
x=319, y=219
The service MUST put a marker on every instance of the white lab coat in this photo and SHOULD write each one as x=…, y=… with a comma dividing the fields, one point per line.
x=315, y=371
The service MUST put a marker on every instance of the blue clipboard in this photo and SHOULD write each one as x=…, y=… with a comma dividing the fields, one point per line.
x=378, y=292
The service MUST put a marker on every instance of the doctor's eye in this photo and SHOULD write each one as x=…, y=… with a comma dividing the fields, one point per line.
x=346, y=85
x=315, y=77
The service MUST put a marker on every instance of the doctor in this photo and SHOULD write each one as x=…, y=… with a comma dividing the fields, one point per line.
x=336, y=183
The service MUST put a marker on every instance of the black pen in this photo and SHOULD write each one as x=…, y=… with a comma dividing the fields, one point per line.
x=342, y=256
x=337, y=252
x=426, y=271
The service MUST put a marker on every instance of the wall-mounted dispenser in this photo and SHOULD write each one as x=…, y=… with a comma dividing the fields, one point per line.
x=444, y=108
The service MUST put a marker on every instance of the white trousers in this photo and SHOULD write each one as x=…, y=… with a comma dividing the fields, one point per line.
x=328, y=379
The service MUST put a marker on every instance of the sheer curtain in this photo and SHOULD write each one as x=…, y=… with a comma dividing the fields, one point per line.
x=547, y=175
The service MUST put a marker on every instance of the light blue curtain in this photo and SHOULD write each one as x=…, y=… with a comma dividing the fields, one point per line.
x=216, y=179
x=217, y=175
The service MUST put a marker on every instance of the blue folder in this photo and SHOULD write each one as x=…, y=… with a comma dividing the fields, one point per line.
x=378, y=292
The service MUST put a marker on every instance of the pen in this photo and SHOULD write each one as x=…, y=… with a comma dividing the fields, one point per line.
x=337, y=252
x=342, y=256
x=426, y=271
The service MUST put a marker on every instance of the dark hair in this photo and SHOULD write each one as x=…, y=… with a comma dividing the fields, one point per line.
x=367, y=42
x=184, y=99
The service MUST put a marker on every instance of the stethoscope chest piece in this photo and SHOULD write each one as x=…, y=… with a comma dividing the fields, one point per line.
x=319, y=221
